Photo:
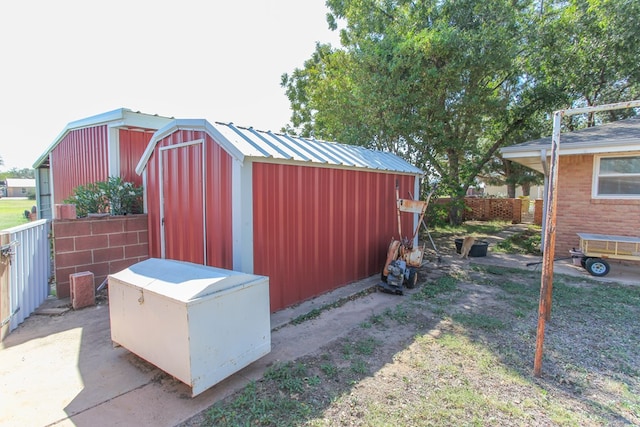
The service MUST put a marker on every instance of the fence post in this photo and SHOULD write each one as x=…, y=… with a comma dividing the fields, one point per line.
x=5, y=274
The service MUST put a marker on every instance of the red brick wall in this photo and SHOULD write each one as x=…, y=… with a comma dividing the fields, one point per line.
x=537, y=211
x=486, y=209
x=99, y=245
x=578, y=212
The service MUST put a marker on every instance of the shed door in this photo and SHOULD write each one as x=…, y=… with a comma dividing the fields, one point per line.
x=182, y=209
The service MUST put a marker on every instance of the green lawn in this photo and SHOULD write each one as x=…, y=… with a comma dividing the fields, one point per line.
x=12, y=212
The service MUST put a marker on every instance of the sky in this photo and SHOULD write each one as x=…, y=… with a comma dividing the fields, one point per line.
x=66, y=60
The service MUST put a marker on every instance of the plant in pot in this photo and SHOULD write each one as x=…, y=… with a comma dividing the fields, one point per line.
x=111, y=197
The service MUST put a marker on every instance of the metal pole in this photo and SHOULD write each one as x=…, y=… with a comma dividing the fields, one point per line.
x=545, y=193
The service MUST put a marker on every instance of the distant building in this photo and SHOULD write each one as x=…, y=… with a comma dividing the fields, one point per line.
x=18, y=187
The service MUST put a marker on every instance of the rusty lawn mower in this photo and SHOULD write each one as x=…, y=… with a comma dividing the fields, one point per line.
x=403, y=259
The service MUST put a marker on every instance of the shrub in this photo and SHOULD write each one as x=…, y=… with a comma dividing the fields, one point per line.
x=114, y=196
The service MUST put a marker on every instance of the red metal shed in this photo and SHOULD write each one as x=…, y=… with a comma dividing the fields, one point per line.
x=90, y=150
x=311, y=215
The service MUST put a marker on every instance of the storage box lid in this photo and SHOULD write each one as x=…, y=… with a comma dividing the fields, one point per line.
x=183, y=281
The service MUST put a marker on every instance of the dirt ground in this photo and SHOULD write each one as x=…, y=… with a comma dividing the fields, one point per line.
x=458, y=350
x=403, y=365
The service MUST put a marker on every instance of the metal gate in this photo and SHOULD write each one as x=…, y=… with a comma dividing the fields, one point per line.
x=25, y=269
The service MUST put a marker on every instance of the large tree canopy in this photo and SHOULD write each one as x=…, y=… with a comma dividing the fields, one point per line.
x=445, y=83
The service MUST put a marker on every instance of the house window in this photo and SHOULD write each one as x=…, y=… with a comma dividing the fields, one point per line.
x=617, y=177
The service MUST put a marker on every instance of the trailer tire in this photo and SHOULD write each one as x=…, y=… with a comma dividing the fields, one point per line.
x=412, y=281
x=597, y=267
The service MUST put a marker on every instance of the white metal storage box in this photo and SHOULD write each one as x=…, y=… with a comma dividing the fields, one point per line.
x=197, y=323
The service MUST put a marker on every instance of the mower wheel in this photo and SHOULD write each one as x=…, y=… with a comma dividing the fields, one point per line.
x=412, y=281
x=383, y=277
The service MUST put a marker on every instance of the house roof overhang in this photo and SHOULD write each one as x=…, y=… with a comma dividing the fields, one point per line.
x=617, y=137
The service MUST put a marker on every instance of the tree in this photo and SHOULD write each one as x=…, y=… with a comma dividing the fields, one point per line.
x=446, y=83
x=500, y=171
x=590, y=48
x=440, y=83
x=18, y=173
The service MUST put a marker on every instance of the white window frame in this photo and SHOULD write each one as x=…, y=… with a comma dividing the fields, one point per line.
x=596, y=175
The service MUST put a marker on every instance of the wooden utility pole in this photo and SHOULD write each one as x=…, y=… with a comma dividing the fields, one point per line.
x=549, y=237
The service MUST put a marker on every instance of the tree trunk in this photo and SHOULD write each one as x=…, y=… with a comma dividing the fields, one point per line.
x=456, y=210
x=526, y=189
x=511, y=190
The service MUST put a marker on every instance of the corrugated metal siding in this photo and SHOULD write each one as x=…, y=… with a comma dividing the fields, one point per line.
x=80, y=158
x=319, y=228
x=30, y=269
x=218, y=206
x=182, y=173
x=132, y=145
x=182, y=177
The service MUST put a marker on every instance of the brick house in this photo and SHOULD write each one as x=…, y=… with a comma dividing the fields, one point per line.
x=598, y=179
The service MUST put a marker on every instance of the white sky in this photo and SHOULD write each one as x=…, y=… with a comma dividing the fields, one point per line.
x=65, y=60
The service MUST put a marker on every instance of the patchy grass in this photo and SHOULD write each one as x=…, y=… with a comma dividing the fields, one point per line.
x=527, y=242
x=467, y=361
x=12, y=212
x=474, y=228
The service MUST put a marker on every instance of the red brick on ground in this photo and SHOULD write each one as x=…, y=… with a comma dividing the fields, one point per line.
x=83, y=290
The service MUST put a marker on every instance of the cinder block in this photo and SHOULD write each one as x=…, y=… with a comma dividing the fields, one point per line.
x=83, y=290
x=66, y=212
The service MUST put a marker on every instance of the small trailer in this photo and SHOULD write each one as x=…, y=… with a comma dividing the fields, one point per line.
x=595, y=249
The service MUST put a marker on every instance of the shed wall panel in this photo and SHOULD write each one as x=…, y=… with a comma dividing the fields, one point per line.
x=80, y=158
x=218, y=222
x=132, y=145
x=316, y=229
x=183, y=183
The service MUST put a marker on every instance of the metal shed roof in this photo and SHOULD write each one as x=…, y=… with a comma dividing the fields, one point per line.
x=21, y=182
x=243, y=142
x=121, y=117
x=615, y=137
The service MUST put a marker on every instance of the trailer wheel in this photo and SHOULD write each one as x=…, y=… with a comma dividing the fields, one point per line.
x=597, y=267
x=412, y=281
x=583, y=262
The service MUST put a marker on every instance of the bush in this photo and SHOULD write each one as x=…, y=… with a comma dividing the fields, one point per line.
x=437, y=214
x=113, y=196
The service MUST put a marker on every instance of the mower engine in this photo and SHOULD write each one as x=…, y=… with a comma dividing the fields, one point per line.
x=396, y=275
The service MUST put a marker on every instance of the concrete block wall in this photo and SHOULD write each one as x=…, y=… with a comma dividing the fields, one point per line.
x=99, y=245
x=578, y=212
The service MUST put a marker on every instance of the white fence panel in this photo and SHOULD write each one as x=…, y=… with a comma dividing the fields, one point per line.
x=30, y=269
